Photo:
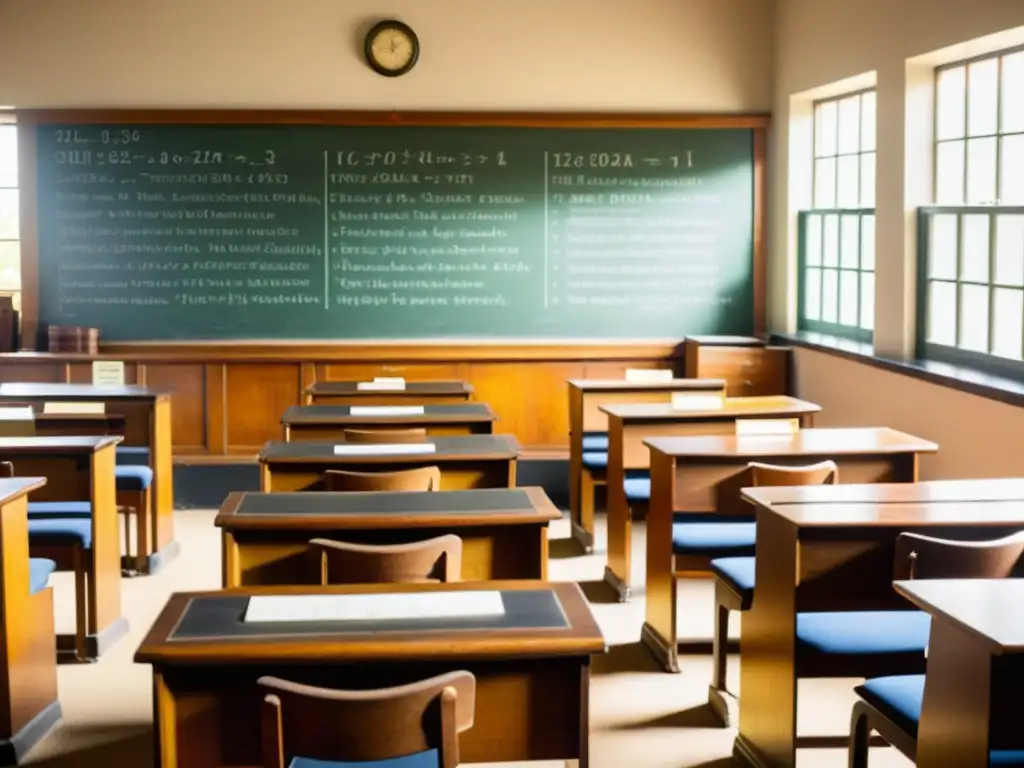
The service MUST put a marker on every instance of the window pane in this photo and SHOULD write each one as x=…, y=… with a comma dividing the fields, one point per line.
x=867, y=301
x=825, y=129
x=942, y=246
x=812, y=294
x=1013, y=93
x=849, y=307
x=1009, y=250
x=1008, y=322
x=982, y=97
x=8, y=156
x=942, y=313
x=867, y=242
x=10, y=266
x=825, y=183
x=1011, y=172
x=849, y=125
x=867, y=180
x=974, y=318
x=830, y=295
x=981, y=171
x=849, y=243
x=950, y=96
x=848, y=188
x=867, y=122
x=812, y=248
x=830, y=243
x=974, y=258
x=8, y=214
x=949, y=173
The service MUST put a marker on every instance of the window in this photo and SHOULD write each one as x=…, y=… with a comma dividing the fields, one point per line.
x=10, y=250
x=836, y=237
x=971, y=243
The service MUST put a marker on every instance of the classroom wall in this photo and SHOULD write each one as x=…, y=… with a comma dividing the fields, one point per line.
x=644, y=55
x=818, y=43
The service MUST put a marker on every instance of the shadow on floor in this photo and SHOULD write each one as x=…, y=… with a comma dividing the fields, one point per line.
x=629, y=657
x=598, y=592
x=700, y=716
x=126, y=745
x=563, y=549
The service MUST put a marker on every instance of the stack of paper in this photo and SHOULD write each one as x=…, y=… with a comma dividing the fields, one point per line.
x=382, y=383
x=648, y=375
x=386, y=410
x=379, y=607
x=685, y=401
x=75, y=407
x=383, y=449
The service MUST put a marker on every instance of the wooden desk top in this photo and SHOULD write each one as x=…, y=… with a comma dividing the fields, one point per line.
x=542, y=619
x=732, y=407
x=462, y=413
x=461, y=448
x=78, y=392
x=929, y=492
x=989, y=609
x=56, y=444
x=726, y=341
x=431, y=509
x=807, y=442
x=888, y=515
x=13, y=487
x=672, y=385
x=424, y=387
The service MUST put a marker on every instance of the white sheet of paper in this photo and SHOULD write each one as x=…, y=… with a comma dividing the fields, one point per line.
x=18, y=413
x=380, y=607
x=383, y=449
x=108, y=373
x=74, y=407
x=386, y=410
x=767, y=427
x=385, y=385
x=648, y=375
x=684, y=401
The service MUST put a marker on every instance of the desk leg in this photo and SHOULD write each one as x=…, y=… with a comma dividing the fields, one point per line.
x=659, y=630
x=161, y=533
x=620, y=523
x=165, y=721
x=105, y=622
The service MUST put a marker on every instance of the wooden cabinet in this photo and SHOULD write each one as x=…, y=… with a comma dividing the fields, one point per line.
x=748, y=365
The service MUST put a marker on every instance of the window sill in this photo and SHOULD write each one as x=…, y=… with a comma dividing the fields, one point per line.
x=974, y=382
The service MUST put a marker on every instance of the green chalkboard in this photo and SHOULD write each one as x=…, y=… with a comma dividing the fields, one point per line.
x=162, y=232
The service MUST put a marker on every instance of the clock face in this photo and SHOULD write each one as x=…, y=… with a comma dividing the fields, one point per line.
x=393, y=49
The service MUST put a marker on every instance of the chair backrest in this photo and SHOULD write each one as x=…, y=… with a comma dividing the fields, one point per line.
x=925, y=557
x=418, y=479
x=365, y=726
x=822, y=473
x=411, y=435
x=6, y=469
x=429, y=561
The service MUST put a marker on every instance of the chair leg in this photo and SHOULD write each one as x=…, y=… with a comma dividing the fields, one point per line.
x=720, y=647
x=81, y=602
x=587, y=501
x=129, y=512
x=860, y=730
x=143, y=523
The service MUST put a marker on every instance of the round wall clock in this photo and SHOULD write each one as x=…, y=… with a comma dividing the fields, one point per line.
x=392, y=48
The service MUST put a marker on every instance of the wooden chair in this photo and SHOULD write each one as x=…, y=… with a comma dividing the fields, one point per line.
x=429, y=561
x=891, y=706
x=734, y=576
x=411, y=435
x=418, y=479
x=420, y=721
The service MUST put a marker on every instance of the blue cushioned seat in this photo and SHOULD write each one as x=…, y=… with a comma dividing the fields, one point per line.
x=855, y=633
x=595, y=441
x=637, y=488
x=133, y=477
x=38, y=510
x=428, y=759
x=899, y=698
x=738, y=573
x=61, y=530
x=593, y=460
x=39, y=570
x=713, y=540
x=132, y=454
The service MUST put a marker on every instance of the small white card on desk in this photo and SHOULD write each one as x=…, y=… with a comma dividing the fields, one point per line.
x=386, y=410
x=382, y=383
x=767, y=427
x=17, y=413
x=108, y=373
x=383, y=449
x=78, y=408
x=685, y=401
x=648, y=375
x=380, y=607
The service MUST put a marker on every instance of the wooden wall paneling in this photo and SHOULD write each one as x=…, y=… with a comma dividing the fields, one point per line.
x=216, y=423
x=617, y=369
x=187, y=385
x=256, y=396
x=51, y=372
x=81, y=373
x=409, y=371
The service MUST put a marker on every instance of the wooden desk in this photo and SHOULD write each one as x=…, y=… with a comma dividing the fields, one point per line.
x=975, y=669
x=532, y=669
x=586, y=396
x=472, y=461
x=80, y=469
x=328, y=422
x=147, y=415
x=29, y=706
x=504, y=531
x=830, y=554
x=629, y=424
x=70, y=424
x=415, y=393
x=706, y=473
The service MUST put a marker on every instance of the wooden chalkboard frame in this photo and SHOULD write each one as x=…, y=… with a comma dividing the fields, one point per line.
x=28, y=120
